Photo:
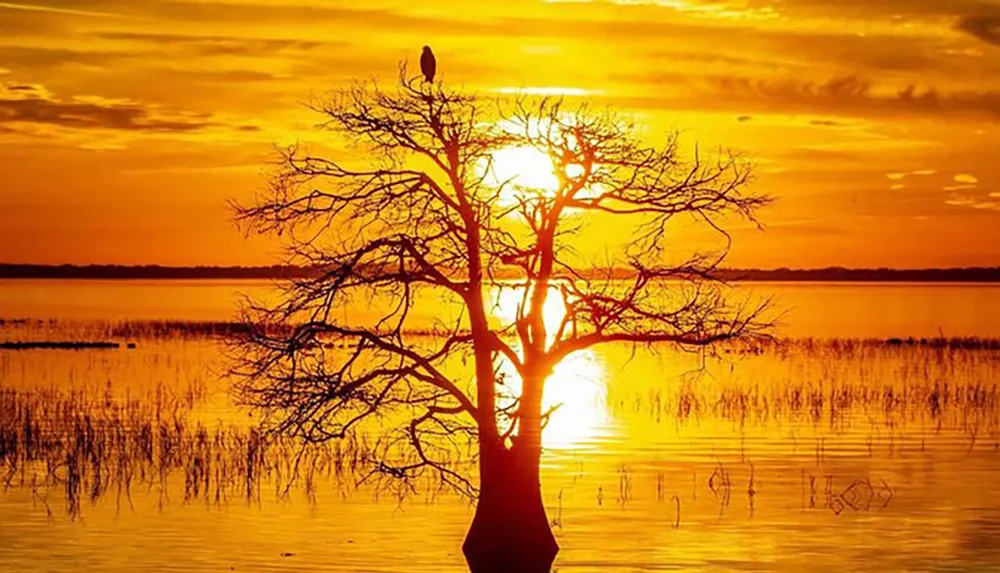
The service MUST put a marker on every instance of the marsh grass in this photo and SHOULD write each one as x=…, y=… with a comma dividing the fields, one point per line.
x=72, y=431
x=835, y=383
x=138, y=329
x=65, y=345
x=88, y=444
x=24, y=329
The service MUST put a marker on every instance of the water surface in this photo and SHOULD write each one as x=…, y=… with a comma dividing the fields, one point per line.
x=811, y=454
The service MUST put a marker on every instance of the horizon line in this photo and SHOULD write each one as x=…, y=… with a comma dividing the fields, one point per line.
x=291, y=266
x=97, y=271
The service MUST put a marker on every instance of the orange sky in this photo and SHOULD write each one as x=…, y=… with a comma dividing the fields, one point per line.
x=124, y=126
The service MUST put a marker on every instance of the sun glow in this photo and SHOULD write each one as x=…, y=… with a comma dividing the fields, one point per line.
x=576, y=389
x=522, y=171
x=519, y=170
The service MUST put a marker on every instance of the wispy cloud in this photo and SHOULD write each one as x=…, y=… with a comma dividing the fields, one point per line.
x=58, y=10
x=219, y=44
x=972, y=202
x=550, y=91
x=32, y=104
x=986, y=28
x=853, y=94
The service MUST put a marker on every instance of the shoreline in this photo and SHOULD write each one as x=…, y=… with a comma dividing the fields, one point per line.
x=985, y=275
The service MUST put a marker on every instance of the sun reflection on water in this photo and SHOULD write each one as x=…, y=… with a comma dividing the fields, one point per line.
x=576, y=388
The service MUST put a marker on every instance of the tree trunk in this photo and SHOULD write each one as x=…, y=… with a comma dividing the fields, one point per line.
x=510, y=532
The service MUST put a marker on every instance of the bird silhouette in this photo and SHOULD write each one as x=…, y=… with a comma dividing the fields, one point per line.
x=428, y=64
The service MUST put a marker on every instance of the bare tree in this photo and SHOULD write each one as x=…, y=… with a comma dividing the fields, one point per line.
x=422, y=214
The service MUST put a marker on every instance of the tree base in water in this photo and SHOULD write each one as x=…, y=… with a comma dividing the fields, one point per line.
x=510, y=532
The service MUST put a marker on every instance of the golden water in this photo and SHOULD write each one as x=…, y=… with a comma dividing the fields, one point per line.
x=654, y=462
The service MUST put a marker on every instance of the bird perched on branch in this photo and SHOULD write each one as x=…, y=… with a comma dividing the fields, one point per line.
x=428, y=64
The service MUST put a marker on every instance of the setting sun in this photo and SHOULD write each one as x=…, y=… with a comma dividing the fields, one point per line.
x=519, y=170
x=524, y=171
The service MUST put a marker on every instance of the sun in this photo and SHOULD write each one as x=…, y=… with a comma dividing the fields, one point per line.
x=520, y=170
x=523, y=171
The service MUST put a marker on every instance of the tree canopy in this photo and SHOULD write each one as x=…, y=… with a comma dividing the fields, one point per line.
x=425, y=212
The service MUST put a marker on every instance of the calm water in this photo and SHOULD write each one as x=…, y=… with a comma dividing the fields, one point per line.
x=810, y=309
x=655, y=461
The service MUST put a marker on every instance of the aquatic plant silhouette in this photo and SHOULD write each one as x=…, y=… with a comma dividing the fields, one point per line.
x=68, y=441
x=87, y=444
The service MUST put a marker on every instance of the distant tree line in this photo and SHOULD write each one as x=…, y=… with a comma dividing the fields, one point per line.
x=830, y=274
x=840, y=274
x=138, y=272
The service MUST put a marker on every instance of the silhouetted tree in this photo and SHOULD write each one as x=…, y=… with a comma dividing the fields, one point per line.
x=422, y=214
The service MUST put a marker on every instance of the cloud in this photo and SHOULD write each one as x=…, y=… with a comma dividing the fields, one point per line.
x=806, y=227
x=966, y=178
x=227, y=77
x=22, y=103
x=986, y=28
x=218, y=45
x=57, y=10
x=716, y=10
x=918, y=173
x=121, y=49
x=46, y=57
x=853, y=94
x=956, y=200
x=827, y=123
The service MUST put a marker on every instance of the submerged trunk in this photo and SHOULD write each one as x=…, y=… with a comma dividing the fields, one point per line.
x=510, y=532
